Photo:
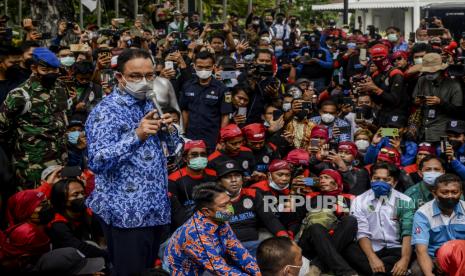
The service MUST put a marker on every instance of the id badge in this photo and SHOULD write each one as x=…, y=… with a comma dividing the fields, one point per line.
x=431, y=113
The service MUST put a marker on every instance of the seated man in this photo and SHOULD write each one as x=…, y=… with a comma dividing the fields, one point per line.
x=430, y=169
x=182, y=182
x=328, y=229
x=384, y=218
x=438, y=221
x=264, y=152
x=206, y=242
x=280, y=256
x=249, y=211
x=231, y=140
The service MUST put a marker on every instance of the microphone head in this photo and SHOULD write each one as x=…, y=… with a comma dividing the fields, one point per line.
x=150, y=94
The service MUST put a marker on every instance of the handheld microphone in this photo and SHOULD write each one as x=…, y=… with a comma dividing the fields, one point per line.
x=152, y=96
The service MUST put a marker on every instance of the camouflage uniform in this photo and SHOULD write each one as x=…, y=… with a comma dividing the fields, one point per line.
x=38, y=136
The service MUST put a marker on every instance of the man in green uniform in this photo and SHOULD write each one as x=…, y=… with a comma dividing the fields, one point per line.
x=429, y=169
x=33, y=120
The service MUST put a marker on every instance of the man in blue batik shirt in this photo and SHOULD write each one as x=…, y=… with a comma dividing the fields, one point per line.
x=127, y=153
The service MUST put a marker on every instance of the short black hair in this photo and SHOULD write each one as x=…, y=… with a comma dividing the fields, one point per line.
x=170, y=109
x=392, y=169
x=204, y=55
x=429, y=158
x=273, y=255
x=204, y=195
x=59, y=193
x=28, y=44
x=241, y=87
x=394, y=28
x=329, y=102
x=129, y=54
x=447, y=179
x=263, y=51
x=217, y=35
x=421, y=47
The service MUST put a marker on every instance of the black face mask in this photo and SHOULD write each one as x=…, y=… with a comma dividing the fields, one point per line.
x=447, y=203
x=292, y=24
x=28, y=62
x=78, y=205
x=367, y=111
x=279, y=20
x=269, y=23
x=12, y=71
x=48, y=80
x=455, y=144
x=46, y=214
x=301, y=115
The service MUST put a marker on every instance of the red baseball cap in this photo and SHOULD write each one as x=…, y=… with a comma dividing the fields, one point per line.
x=379, y=50
x=348, y=146
x=254, y=132
x=194, y=144
x=426, y=147
x=230, y=131
x=319, y=132
x=298, y=157
x=279, y=164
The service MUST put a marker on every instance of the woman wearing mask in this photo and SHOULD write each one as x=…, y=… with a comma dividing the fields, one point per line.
x=278, y=186
x=328, y=229
x=73, y=224
x=362, y=139
x=29, y=206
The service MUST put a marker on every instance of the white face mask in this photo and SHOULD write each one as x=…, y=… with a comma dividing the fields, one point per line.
x=138, y=89
x=305, y=267
x=267, y=39
x=278, y=48
x=203, y=74
x=417, y=61
x=287, y=107
x=327, y=118
x=67, y=61
x=392, y=37
x=362, y=145
x=430, y=177
x=276, y=187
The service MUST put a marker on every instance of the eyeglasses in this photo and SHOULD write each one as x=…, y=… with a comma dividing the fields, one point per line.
x=139, y=77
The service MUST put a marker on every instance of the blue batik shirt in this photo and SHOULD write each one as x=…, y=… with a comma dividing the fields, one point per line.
x=131, y=178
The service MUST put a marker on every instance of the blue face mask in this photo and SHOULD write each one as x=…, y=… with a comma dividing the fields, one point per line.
x=381, y=188
x=73, y=137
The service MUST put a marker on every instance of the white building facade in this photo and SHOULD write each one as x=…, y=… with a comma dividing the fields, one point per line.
x=384, y=13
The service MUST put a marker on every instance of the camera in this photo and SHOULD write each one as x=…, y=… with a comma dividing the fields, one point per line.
x=70, y=25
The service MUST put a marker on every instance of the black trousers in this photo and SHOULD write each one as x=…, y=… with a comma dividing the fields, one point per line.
x=357, y=258
x=325, y=250
x=132, y=250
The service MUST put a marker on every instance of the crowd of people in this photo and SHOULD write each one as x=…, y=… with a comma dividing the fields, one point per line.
x=180, y=147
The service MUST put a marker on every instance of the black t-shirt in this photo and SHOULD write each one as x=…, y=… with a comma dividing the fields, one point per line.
x=249, y=215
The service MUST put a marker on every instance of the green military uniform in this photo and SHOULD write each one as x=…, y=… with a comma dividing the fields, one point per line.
x=419, y=194
x=37, y=136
